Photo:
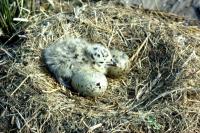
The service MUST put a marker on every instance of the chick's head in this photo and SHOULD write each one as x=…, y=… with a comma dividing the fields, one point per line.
x=100, y=56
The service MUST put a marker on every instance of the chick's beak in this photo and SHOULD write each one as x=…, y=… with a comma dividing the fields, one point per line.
x=112, y=63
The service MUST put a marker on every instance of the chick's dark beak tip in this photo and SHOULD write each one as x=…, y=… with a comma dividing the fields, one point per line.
x=113, y=63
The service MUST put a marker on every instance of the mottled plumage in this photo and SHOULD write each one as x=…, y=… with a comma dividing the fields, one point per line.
x=69, y=55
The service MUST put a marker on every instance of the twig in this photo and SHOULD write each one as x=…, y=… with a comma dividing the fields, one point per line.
x=94, y=127
x=121, y=35
x=51, y=91
x=19, y=86
x=139, y=49
x=110, y=40
x=2, y=49
x=170, y=92
x=22, y=117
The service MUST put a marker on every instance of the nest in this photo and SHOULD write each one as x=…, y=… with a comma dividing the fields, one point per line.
x=161, y=92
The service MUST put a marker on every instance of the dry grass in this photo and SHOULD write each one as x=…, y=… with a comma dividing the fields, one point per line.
x=160, y=94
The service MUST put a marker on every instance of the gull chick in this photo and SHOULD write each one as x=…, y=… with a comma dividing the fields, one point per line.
x=122, y=64
x=66, y=56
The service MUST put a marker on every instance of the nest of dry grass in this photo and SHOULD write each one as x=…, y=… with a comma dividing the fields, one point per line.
x=160, y=94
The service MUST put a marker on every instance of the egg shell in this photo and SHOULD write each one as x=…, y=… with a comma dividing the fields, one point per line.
x=89, y=83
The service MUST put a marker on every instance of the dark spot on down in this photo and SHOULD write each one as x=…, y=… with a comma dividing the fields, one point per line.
x=98, y=84
x=92, y=57
x=70, y=67
x=95, y=48
x=76, y=56
x=104, y=55
x=61, y=62
x=64, y=56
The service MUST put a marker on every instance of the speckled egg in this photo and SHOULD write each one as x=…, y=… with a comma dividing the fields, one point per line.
x=122, y=64
x=89, y=83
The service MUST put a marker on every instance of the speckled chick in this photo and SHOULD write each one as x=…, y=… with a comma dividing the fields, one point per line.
x=89, y=83
x=64, y=57
x=122, y=64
